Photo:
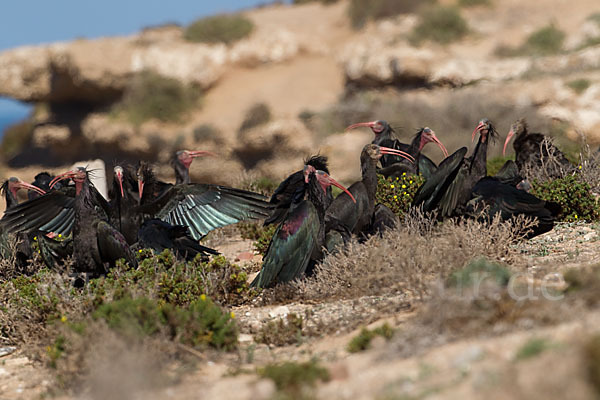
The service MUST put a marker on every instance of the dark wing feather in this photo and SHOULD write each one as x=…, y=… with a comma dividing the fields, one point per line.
x=52, y=212
x=426, y=167
x=283, y=197
x=431, y=192
x=204, y=207
x=112, y=245
x=290, y=249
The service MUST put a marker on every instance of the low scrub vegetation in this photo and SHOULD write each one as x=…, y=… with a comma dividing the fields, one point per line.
x=440, y=24
x=15, y=138
x=474, y=3
x=224, y=28
x=532, y=348
x=295, y=380
x=258, y=114
x=574, y=196
x=547, y=40
x=261, y=235
x=579, y=85
x=361, y=11
x=150, y=95
x=362, y=341
x=281, y=332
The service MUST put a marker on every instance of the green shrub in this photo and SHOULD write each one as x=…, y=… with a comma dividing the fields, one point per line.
x=360, y=11
x=226, y=28
x=440, y=24
x=473, y=3
x=362, y=341
x=545, y=41
x=579, y=85
x=478, y=271
x=258, y=114
x=282, y=331
x=532, y=348
x=15, y=138
x=150, y=95
x=397, y=193
x=134, y=318
x=292, y=378
x=575, y=197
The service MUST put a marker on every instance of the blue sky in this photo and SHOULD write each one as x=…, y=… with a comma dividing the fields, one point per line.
x=26, y=22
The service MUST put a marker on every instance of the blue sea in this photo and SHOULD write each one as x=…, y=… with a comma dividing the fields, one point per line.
x=11, y=112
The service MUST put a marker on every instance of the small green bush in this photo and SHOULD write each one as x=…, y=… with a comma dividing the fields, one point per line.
x=532, y=348
x=494, y=164
x=362, y=341
x=292, y=378
x=575, y=197
x=205, y=132
x=477, y=271
x=226, y=28
x=282, y=331
x=15, y=138
x=150, y=95
x=545, y=41
x=579, y=85
x=398, y=193
x=473, y=3
x=134, y=318
x=440, y=24
x=258, y=114
x=360, y=11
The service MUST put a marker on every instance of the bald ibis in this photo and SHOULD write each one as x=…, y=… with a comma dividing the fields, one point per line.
x=182, y=161
x=394, y=165
x=11, y=186
x=355, y=216
x=96, y=243
x=529, y=148
x=449, y=189
x=497, y=198
x=300, y=236
x=286, y=191
x=124, y=200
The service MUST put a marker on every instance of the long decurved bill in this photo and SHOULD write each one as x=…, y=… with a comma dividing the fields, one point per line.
x=439, y=143
x=511, y=133
x=29, y=186
x=201, y=153
x=477, y=129
x=65, y=175
x=361, y=124
x=395, y=152
x=327, y=180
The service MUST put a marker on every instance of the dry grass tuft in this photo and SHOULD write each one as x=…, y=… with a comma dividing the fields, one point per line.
x=401, y=262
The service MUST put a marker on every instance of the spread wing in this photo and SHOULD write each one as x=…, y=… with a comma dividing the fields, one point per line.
x=204, y=207
x=291, y=247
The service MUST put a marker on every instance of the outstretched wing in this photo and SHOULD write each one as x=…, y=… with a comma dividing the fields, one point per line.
x=204, y=207
x=283, y=197
x=291, y=247
x=52, y=212
x=426, y=166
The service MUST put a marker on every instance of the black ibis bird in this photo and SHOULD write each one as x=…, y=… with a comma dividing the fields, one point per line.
x=124, y=200
x=450, y=188
x=356, y=216
x=300, y=236
x=200, y=207
x=182, y=161
x=530, y=149
x=286, y=191
x=159, y=235
x=384, y=136
x=496, y=198
x=96, y=243
x=11, y=186
x=383, y=219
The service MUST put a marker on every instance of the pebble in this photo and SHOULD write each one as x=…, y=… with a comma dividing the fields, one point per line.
x=245, y=338
x=280, y=311
x=4, y=351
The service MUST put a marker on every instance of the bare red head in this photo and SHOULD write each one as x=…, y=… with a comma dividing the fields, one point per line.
x=79, y=175
x=324, y=180
x=15, y=184
x=427, y=136
x=186, y=157
x=484, y=128
x=118, y=170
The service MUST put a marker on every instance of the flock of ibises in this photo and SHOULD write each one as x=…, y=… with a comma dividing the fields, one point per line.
x=65, y=216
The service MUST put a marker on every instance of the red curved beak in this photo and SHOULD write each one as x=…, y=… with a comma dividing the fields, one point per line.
x=27, y=186
x=479, y=127
x=66, y=175
x=511, y=133
x=439, y=143
x=327, y=180
x=140, y=188
x=387, y=150
x=202, y=153
x=361, y=124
